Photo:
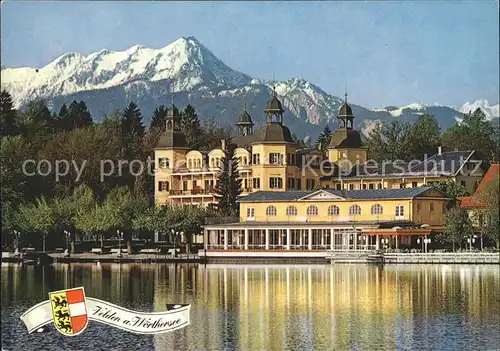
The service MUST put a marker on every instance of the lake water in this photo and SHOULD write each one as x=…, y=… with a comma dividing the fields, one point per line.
x=252, y=307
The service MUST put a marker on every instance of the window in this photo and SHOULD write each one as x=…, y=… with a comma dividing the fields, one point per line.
x=250, y=212
x=290, y=159
x=190, y=163
x=184, y=185
x=291, y=211
x=377, y=209
x=431, y=207
x=364, y=186
x=299, y=184
x=413, y=184
x=275, y=183
x=312, y=210
x=271, y=211
x=256, y=183
x=351, y=186
x=207, y=184
x=246, y=183
x=291, y=183
x=333, y=210
x=379, y=186
x=400, y=211
x=245, y=161
x=195, y=183
x=370, y=186
x=338, y=186
x=275, y=158
x=256, y=159
x=402, y=185
x=443, y=209
x=419, y=208
x=310, y=184
x=164, y=162
x=354, y=210
x=163, y=186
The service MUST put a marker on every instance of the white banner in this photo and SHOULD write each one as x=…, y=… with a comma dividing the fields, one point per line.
x=115, y=316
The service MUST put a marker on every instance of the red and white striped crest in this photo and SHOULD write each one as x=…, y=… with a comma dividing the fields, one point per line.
x=69, y=310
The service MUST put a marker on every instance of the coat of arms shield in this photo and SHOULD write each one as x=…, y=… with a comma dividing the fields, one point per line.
x=69, y=311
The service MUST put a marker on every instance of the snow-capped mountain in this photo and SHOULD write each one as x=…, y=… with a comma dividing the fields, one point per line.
x=491, y=111
x=109, y=80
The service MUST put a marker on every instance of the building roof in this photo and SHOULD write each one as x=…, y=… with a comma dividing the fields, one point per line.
x=447, y=163
x=345, y=138
x=345, y=110
x=172, y=139
x=274, y=105
x=245, y=118
x=473, y=201
x=365, y=194
x=273, y=133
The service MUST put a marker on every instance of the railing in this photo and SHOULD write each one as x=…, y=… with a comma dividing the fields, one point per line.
x=446, y=257
x=221, y=220
x=200, y=191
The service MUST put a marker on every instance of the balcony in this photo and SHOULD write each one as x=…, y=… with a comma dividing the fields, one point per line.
x=193, y=192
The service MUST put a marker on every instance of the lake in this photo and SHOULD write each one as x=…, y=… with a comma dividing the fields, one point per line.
x=274, y=307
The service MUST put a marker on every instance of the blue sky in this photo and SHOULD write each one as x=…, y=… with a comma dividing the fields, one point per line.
x=390, y=53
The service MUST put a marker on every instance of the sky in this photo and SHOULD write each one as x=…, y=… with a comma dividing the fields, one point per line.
x=388, y=52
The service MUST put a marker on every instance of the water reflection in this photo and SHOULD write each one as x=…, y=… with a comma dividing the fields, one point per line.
x=274, y=307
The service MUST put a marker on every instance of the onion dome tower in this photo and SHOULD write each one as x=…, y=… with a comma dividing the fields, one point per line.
x=245, y=123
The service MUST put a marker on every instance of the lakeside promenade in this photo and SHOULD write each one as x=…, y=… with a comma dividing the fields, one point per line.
x=326, y=257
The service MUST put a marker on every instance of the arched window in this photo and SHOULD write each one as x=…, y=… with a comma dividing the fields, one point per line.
x=271, y=211
x=333, y=210
x=212, y=162
x=244, y=160
x=312, y=210
x=291, y=211
x=377, y=209
x=354, y=210
x=198, y=163
x=190, y=163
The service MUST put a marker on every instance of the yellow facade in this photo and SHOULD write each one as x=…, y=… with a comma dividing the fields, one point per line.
x=426, y=209
x=275, y=165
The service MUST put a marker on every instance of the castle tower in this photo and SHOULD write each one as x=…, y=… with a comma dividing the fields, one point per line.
x=345, y=143
x=245, y=123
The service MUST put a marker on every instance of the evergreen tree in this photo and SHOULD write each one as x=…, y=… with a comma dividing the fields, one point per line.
x=159, y=119
x=424, y=137
x=63, y=120
x=78, y=116
x=229, y=183
x=8, y=124
x=190, y=125
x=324, y=139
x=132, y=126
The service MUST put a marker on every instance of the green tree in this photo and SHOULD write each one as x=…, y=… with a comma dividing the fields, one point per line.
x=38, y=218
x=424, y=137
x=36, y=123
x=474, y=132
x=212, y=134
x=78, y=116
x=229, y=183
x=190, y=125
x=488, y=216
x=451, y=188
x=324, y=139
x=390, y=142
x=8, y=123
x=159, y=119
x=457, y=227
